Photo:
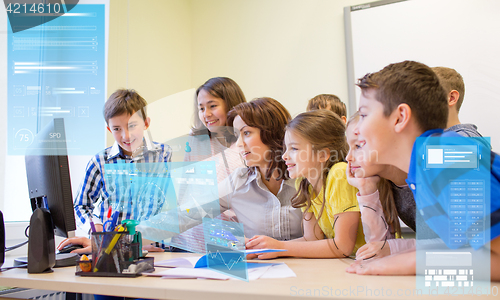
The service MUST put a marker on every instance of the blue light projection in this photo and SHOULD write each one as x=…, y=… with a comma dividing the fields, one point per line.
x=225, y=247
x=57, y=70
x=453, y=199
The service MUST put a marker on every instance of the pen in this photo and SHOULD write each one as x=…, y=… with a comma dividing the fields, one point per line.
x=114, y=221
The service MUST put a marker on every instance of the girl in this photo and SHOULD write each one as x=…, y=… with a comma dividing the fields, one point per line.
x=315, y=150
x=386, y=182
x=213, y=101
x=259, y=194
x=376, y=200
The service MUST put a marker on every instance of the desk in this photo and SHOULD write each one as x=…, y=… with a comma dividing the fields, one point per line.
x=326, y=277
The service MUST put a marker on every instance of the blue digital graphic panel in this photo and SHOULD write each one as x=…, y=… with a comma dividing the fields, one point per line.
x=169, y=198
x=225, y=247
x=57, y=70
x=453, y=199
x=142, y=190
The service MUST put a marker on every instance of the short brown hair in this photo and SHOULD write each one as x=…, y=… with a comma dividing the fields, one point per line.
x=451, y=80
x=124, y=101
x=323, y=101
x=412, y=83
x=271, y=118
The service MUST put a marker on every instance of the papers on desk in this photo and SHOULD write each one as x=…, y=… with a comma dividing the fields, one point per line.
x=255, y=271
x=196, y=267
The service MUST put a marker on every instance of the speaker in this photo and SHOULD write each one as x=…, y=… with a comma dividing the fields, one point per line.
x=2, y=240
x=41, y=246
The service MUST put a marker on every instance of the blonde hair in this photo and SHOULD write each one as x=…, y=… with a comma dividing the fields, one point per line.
x=385, y=191
x=325, y=101
x=451, y=80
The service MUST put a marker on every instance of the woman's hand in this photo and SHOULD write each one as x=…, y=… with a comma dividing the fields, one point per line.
x=85, y=242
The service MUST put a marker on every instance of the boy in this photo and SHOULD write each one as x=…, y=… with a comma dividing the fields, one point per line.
x=329, y=102
x=126, y=119
x=454, y=86
x=398, y=104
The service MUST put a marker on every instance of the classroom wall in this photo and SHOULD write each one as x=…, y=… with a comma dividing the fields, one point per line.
x=150, y=51
x=291, y=50
x=287, y=49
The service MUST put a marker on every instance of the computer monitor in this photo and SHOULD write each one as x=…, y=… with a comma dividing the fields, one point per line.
x=47, y=171
x=49, y=188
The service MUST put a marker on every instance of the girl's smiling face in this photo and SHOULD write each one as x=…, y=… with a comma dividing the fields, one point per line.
x=300, y=158
x=359, y=159
x=212, y=111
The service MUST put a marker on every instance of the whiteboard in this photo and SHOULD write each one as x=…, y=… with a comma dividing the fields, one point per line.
x=460, y=34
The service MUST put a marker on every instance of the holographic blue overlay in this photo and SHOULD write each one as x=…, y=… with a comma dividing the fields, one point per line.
x=453, y=198
x=169, y=198
x=57, y=70
x=225, y=247
x=141, y=190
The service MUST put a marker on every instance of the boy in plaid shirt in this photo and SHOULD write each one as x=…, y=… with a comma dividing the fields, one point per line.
x=126, y=119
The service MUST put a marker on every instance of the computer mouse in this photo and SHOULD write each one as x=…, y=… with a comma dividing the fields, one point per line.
x=69, y=248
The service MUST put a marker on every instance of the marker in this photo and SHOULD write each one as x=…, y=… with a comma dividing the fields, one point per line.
x=92, y=226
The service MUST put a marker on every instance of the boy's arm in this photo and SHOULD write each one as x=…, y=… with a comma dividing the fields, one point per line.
x=398, y=264
x=401, y=245
x=88, y=193
x=495, y=259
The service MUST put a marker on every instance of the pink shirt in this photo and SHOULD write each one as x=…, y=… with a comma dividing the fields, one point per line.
x=375, y=226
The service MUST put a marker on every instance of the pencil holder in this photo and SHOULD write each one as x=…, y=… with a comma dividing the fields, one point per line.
x=110, y=250
x=115, y=254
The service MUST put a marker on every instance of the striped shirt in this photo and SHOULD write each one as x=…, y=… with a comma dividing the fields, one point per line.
x=94, y=197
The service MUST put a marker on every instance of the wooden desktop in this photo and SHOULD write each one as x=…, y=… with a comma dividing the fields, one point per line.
x=315, y=278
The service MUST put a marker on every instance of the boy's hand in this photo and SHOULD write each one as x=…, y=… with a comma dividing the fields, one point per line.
x=365, y=185
x=152, y=248
x=98, y=227
x=85, y=242
x=397, y=264
x=264, y=242
x=373, y=250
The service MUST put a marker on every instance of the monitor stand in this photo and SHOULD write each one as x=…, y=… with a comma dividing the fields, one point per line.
x=41, y=246
x=62, y=260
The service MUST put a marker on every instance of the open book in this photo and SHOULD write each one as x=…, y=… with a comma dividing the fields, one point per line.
x=201, y=261
x=196, y=267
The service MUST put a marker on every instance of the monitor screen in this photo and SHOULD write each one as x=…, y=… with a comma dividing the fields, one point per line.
x=49, y=183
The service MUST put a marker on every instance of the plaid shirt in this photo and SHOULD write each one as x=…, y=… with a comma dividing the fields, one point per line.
x=94, y=198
